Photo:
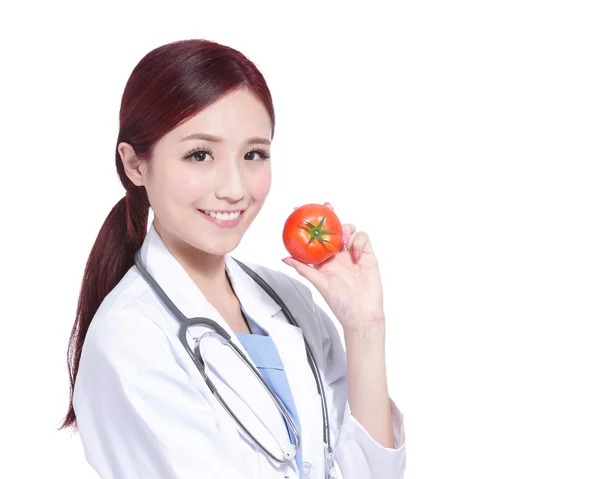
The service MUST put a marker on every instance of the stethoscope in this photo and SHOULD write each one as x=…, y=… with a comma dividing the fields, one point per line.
x=288, y=453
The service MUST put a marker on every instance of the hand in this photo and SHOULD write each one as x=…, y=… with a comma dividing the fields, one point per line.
x=349, y=281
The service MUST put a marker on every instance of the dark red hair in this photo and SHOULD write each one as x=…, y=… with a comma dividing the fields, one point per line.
x=169, y=85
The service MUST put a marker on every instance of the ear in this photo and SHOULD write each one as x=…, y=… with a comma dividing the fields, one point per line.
x=135, y=168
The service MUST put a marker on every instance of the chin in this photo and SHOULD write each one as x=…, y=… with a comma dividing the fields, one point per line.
x=218, y=248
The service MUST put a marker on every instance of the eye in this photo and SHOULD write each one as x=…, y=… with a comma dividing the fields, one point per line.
x=199, y=154
x=261, y=153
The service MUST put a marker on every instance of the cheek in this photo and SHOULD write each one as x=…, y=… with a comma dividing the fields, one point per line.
x=259, y=184
x=184, y=187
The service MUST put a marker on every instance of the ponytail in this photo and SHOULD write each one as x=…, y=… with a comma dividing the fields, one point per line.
x=121, y=235
x=169, y=85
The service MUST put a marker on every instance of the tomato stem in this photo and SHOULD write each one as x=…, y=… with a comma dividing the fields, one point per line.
x=317, y=232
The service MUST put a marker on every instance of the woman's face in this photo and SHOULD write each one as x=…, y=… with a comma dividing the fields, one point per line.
x=191, y=181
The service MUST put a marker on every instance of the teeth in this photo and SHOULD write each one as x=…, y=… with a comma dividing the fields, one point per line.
x=223, y=216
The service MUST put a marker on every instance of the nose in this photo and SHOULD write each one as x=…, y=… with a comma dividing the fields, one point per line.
x=229, y=180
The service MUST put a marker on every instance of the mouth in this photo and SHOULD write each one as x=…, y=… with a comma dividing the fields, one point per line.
x=223, y=219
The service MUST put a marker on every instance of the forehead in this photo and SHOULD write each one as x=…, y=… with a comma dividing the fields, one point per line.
x=235, y=117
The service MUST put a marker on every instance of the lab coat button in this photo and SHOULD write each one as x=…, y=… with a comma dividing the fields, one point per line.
x=306, y=469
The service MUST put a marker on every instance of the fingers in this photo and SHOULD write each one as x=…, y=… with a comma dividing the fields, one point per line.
x=306, y=271
x=348, y=231
x=358, y=244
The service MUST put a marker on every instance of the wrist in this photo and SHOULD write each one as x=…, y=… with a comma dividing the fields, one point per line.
x=373, y=331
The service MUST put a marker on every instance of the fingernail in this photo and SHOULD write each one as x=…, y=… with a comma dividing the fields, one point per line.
x=356, y=254
x=287, y=261
x=345, y=237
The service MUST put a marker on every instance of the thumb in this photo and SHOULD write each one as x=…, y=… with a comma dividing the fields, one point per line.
x=306, y=271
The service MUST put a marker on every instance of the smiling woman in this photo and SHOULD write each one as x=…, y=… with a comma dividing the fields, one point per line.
x=152, y=400
x=192, y=172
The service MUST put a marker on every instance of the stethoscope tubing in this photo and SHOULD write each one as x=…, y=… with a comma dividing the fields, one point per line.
x=196, y=357
x=312, y=362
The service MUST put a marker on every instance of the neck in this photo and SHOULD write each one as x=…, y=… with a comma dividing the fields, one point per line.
x=206, y=270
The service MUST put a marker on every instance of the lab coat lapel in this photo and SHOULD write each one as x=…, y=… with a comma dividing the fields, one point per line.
x=265, y=312
x=289, y=341
x=255, y=300
x=190, y=300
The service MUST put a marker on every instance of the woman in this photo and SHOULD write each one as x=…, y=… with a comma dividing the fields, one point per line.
x=196, y=122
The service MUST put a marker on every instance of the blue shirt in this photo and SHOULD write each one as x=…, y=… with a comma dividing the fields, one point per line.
x=264, y=355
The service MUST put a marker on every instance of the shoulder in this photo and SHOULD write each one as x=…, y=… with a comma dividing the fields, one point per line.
x=284, y=284
x=126, y=315
x=125, y=350
x=126, y=356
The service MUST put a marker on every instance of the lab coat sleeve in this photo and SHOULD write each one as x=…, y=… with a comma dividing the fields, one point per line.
x=356, y=453
x=138, y=413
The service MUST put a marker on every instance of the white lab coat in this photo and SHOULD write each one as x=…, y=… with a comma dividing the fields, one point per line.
x=144, y=410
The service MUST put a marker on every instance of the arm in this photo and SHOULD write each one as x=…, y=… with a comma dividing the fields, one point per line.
x=350, y=283
x=139, y=414
x=364, y=412
x=367, y=383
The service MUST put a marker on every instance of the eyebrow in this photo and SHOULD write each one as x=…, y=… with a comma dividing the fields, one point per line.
x=218, y=139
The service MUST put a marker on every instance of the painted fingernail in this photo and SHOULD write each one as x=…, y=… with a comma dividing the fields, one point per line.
x=289, y=262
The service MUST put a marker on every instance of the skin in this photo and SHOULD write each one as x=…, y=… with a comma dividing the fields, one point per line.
x=350, y=283
x=234, y=178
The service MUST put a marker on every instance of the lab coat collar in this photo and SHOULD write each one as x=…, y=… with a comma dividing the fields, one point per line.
x=255, y=300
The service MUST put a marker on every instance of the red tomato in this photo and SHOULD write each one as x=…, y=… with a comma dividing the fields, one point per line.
x=312, y=233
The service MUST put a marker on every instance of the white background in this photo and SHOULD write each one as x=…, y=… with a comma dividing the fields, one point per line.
x=462, y=136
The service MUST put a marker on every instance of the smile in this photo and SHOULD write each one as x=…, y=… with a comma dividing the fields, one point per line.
x=225, y=220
